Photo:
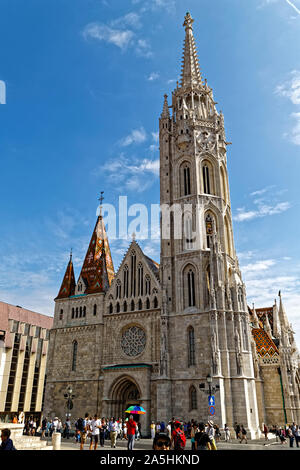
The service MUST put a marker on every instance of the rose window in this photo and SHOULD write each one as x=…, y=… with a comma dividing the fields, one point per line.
x=133, y=341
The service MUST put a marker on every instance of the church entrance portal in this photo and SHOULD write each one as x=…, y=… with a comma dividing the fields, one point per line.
x=125, y=393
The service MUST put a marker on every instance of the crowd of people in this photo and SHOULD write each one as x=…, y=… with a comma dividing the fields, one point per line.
x=171, y=435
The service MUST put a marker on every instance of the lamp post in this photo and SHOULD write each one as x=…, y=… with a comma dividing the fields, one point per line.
x=212, y=389
x=69, y=403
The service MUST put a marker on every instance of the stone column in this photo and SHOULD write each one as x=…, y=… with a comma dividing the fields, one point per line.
x=56, y=440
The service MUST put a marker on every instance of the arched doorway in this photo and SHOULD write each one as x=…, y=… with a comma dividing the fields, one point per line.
x=124, y=393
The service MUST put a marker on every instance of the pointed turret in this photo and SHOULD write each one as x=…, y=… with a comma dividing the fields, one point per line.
x=255, y=318
x=282, y=315
x=190, y=73
x=267, y=325
x=98, y=270
x=165, y=112
x=68, y=285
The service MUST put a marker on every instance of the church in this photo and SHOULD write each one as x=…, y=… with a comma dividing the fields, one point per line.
x=159, y=335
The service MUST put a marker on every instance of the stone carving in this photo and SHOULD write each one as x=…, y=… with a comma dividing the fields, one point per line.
x=215, y=356
x=133, y=341
x=238, y=352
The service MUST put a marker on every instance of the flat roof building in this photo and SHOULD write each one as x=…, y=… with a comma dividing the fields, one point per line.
x=24, y=338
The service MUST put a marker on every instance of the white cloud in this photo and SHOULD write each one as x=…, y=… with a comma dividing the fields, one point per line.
x=295, y=132
x=131, y=19
x=137, y=136
x=119, y=38
x=143, y=48
x=153, y=76
x=258, y=266
x=291, y=88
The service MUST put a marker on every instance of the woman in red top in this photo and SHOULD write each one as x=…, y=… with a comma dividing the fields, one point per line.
x=131, y=430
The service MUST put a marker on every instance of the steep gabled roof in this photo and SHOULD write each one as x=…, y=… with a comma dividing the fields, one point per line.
x=98, y=270
x=68, y=285
x=264, y=344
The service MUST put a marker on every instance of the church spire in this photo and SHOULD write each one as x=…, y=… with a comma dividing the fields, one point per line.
x=68, y=285
x=98, y=270
x=282, y=315
x=190, y=72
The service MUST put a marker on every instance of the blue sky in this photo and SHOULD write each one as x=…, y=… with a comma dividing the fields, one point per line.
x=85, y=81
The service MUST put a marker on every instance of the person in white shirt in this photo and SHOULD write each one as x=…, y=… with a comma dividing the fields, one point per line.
x=95, y=429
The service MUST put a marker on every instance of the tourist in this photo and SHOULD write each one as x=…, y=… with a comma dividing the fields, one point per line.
x=15, y=419
x=131, y=429
x=194, y=431
x=265, y=431
x=152, y=429
x=217, y=433
x=44, y=427
x=162, y=426
x=243, y=434
x=178, y=439
x=161, y=442
x=125, y=429
x=95, y=432
x=158, y=427
x=202, y=440
x=112, y=427
x=297, y=435
x=7, y=443
x=102, y=432
x=211, y=434
x=139, y=431
x=237, y=429
x=227, y=433
x=291, y=436
x=169, y=429
x=82, y=426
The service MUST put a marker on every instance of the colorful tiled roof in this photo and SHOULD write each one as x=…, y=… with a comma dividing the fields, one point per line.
x=264, y=344
x=98, y=270
x=68, y=285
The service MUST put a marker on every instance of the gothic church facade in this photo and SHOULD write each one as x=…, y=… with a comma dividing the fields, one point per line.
x=151, y=333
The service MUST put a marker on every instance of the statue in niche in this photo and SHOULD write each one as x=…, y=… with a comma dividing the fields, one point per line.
x=215, y=356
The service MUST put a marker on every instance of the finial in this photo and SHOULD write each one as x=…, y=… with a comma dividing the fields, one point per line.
x=188, y=21
x=71, y=254
x=101, y=198
x=133, y=236
x=279, y=294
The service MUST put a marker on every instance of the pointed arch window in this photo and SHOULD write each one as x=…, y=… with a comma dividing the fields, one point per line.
x=206, y=179
x=95, y=310
x=133, y=271
x=84, y=312
x=191, y=346
x=147, y=285
x=111, y=308
x=125, y=275
x=73, y=312
x=191, y=298
x=185, y=175
x=118, y=289
x=188, y=232
x=155, y=302
x=76, y=312
x=61, y=313
x=193, y=398
x=140, y=305
x=132, y=306
x=80, y=312
x=125, y=307
x=140, y=279
x=118, y=307
x=147, y=303
x=74, y=355
x=240, y=299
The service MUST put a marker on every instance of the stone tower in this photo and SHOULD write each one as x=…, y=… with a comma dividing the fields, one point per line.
x=204, y=322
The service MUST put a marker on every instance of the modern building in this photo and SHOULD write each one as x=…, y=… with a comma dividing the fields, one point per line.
x=151, y=334
x=24, y=337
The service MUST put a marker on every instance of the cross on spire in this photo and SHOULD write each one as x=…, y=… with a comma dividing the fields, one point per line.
x=101, y=198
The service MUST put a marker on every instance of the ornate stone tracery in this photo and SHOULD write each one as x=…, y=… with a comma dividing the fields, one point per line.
x=133, y=341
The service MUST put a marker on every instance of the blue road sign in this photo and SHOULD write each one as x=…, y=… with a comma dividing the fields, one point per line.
x=211, y=400
x=211, y=410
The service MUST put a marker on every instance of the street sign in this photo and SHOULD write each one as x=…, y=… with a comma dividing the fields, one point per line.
x=211, y=410
x=211, y=400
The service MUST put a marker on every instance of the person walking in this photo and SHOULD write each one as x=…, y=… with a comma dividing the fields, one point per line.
x=131, y=430
x=291, y=436
x=227, y=433
x=178, y=439
x=95, y=432
x=112, y=427
x=297, y=435
x=202, y=440
x=194, y=431
x=237, y=429
x=265, y=431
x=211, y=434
x=243, y=434
x=152, y=430
x=82, y=426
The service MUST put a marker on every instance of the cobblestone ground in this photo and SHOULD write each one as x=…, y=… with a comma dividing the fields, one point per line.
x=146, y=444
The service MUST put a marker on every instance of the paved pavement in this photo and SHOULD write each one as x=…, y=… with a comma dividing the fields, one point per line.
x=146, y=444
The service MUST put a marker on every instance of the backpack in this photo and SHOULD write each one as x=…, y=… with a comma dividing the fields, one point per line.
x=80, y=425
x=179, y=440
